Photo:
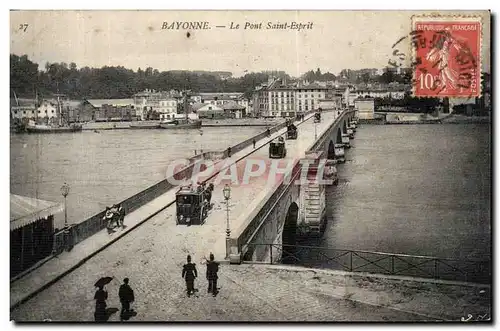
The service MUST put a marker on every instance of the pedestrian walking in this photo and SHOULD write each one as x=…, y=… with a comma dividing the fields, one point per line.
x=121, y=212
x=126, y=295
x=189, y=273
x=212, y=269
x=268, y=133
x=254, y=142
x=229, y=152
x=100, y=298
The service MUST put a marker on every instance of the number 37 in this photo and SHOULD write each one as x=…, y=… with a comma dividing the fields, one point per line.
x=23, y=27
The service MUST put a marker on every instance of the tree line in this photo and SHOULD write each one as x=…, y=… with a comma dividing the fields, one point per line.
x=109, y=82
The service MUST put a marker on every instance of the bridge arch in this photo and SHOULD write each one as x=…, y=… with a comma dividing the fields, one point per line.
x=289, y=236
x=339, y=136
x=331, y=151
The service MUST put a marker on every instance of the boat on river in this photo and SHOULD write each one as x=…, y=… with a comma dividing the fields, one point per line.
x=41, y=128
x=180, y=124
x=61, y=127
x=147, y=125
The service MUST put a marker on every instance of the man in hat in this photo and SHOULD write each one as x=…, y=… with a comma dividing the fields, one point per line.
x=189, y=273
x=126, y=295
x=212, y=269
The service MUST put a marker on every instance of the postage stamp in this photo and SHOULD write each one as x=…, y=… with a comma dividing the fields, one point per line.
x=446, y=56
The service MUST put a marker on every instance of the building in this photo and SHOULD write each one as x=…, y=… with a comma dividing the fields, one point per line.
x=365, y=108
x=334, y=103
x=109, y=110
x=22, y=109
x=392, y=93
x=79, y=111
x=308, y=97
x=210, y=111
x=45, y=112
x=195, y=98
x=234, y=110
x=260, y=101
x=31, y=231
x=148, y=101
x=279, y=99
x=167, y=108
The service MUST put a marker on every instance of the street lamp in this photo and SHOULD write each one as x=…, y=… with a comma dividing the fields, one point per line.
x=65, y=192
x=315, y=130
x=227, y=195
x=201, y=141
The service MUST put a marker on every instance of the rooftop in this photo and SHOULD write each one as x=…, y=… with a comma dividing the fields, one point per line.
x=113, y=102
x=26, y=210
x=232, y=105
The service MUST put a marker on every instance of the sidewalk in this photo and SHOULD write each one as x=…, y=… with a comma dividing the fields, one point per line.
x=266, y=293
x=208, y=234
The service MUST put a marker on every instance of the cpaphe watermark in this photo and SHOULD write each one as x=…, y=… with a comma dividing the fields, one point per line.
x=251, y=171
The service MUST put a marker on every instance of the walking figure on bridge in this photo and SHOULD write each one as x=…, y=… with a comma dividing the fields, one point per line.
x=126, y=295
x=229, y=152
x=189, y=273
x=121, y=213
x=212, y=269
x=100, y=298
x=254, y=142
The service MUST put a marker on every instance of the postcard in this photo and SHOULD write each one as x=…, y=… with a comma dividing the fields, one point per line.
x=250, y=166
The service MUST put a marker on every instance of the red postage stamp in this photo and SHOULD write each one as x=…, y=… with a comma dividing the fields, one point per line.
x=446, y=56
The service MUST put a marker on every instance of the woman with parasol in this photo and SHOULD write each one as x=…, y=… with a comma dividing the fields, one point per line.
x=101, y=295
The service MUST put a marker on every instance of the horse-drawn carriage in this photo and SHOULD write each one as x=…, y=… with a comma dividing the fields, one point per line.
x=291, y=131
x=193, y=204
x=317, y=117
x=277, y=149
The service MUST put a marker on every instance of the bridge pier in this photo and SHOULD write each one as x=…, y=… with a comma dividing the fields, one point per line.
x=312, y=220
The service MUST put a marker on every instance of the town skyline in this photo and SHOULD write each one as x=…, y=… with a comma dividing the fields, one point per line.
x=134, y=39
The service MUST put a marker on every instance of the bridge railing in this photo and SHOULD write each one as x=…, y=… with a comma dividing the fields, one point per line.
x=477, y=271
x=249, y=229
x=326, y=134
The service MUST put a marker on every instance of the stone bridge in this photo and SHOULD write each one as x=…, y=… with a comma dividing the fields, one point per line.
x=295, y=207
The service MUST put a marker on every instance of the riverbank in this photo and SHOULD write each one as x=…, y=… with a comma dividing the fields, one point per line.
x=451, y=119
x=205, y=123
x=462, y=119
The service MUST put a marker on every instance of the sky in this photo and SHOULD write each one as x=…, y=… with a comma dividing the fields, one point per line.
x=337, y=40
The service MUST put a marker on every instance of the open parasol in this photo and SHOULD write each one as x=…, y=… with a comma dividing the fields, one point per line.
x=103, y=281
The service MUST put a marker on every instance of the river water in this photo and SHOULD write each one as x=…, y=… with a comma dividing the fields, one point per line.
x=107, y=167
x=414, y=189
x=411, y=189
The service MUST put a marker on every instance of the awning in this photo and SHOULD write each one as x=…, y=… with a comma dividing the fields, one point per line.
x=26, y=210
